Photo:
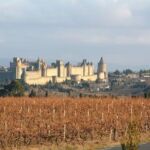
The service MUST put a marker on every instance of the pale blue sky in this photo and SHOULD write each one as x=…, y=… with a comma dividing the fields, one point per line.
x=118, y=30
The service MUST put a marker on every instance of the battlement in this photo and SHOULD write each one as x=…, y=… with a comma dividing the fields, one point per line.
x=38, y=72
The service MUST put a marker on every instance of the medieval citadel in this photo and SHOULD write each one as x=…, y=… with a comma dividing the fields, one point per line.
x=39, y=73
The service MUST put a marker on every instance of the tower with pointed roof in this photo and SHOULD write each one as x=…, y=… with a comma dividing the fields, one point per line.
x=102, y=73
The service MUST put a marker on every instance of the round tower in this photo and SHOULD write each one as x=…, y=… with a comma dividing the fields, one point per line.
x=102, y=74
x=39, y=63
x=24, y=75
x=18, y=69
x=69, y=67
x=43, y=70
x=90, y=69
x=61, y=67
x=84, y=63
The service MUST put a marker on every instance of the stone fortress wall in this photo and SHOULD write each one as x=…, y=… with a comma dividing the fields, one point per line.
x=39, y=73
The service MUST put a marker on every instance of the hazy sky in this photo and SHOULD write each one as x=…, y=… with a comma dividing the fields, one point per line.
x=118, y=30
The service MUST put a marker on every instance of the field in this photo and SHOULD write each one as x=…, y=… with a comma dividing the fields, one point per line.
x=55, y=120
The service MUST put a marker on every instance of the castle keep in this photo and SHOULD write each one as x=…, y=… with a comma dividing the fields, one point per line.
x=39, y=73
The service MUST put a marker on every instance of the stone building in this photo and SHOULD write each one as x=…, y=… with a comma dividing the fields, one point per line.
x=39, y=73
x=102, y=74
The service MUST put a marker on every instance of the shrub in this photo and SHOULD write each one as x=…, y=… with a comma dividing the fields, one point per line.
x=132, y=138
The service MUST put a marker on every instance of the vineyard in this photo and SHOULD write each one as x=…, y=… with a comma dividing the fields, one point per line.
x=31, y=121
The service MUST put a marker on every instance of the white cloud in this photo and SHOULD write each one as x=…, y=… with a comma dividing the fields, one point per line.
x=74, y=13
x=102, y=38
x=14, y=11
x=123, y=12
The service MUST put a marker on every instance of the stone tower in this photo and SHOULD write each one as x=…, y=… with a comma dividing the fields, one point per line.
x=39, y=64
x=61, y=67
x=85, y=67
x=69, y=67
x=24, y=75
x=90, y=69
x=102, y=74
x=16, y=67
x=43, y=69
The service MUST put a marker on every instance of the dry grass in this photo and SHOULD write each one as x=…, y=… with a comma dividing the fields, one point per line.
x=54, y=120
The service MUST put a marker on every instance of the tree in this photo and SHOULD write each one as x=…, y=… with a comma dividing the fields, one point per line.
x=85, y=84
x=127, y=71
x=15, y=88
x=117, y=72
x=3, y=93
x=147, y=95
x=46, y=94
x=32, y=94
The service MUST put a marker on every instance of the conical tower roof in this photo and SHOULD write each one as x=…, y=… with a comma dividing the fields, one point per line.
x=101, y=60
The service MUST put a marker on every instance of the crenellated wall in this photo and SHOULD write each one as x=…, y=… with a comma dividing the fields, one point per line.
x=33, y=75
x=52, y=72
x=77, y=71
x=38, y=81
x=39, y=73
